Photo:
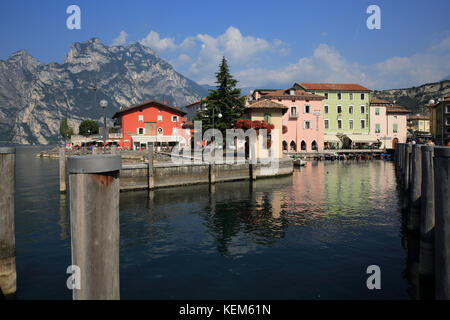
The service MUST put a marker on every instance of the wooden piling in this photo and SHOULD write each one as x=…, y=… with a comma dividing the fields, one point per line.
x=426, y=254
x=62, y=169
x=415, y=188
x=406, y=176
x=212, y=167
x=7, y=227
x=94, y=216
x=151, y=169
x=441, y=163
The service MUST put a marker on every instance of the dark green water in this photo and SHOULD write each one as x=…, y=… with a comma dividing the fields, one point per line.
x=306, y=236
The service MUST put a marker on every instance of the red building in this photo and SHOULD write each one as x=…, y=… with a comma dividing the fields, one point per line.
x=151, y=122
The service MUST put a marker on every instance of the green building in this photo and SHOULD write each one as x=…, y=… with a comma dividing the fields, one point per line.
x=346, y=114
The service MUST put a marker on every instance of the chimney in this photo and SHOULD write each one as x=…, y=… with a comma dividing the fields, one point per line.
x=165, y=102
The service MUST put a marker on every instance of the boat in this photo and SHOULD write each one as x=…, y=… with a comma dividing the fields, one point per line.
x=299, y=162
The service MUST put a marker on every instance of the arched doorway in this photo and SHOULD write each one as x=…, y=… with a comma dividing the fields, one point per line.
x=293, y=146
x=314, y=145
x=303, y=145
x=394, y=142
x=285, y=146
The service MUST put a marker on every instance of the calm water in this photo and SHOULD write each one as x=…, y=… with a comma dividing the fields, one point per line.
x=307, y=236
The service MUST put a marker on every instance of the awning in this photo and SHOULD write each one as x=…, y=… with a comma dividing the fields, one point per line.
x=331, y=138
x=361, y=138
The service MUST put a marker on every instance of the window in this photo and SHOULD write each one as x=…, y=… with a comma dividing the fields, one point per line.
x=141, y=118
x=350, y=96
x=447, y=109
x=363, y=109
x=159, y=110
x=140, y=131
x=160, y=131
x=306, y=109
x=292, y=92
x=267, y=117
x=377, y=111
x=326, y=109
x=326, y=95
x=339, y=95
x=339, y=109
x=339, y=123
x=175, y=131
x=294, y=111
x=377, y=128
x=395, y=129
x=350, y=124
x=350, y=109
x=159, y=118
x=326, y=124
x=362, y=96
x=307, y=125
x=363, y=124
x=175, y=119
x=187, y=132
x=447, y=121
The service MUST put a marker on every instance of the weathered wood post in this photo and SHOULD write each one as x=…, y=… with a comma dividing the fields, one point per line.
x=415, y=190
x=94, y=216
x=441, y=163
x=212, y=167
x=426, y=255
x=406, y=176
x=7, y=226
x=151, y=169
x=62, y=169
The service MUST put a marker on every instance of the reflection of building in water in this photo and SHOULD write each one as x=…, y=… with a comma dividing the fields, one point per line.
x=305, y=200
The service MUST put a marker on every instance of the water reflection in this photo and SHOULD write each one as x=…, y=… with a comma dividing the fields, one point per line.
x=304, y=236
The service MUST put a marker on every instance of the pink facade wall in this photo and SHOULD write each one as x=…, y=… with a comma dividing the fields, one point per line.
x=297, y=132
x=386, y=122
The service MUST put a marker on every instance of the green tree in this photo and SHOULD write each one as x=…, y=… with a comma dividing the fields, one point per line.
x=65, y=130
x=225, y=100
x=88, y=127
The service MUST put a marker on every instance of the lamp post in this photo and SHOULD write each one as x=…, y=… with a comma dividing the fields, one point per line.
x=104, y=104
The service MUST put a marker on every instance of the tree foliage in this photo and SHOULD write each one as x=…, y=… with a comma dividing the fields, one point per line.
x=64, y=129
x=88, y=127
x=225, y=100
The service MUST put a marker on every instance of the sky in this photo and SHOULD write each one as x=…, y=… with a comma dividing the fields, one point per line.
x=268, y=44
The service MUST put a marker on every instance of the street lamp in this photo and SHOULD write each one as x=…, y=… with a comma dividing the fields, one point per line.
x=104, y=104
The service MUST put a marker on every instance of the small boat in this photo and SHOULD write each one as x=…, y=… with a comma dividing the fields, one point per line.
x=299, y=162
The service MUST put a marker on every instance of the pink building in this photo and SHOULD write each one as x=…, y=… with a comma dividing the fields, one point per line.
x=304, y=119
x=388, y=122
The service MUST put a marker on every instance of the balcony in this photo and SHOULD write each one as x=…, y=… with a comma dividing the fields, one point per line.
x=293, y=115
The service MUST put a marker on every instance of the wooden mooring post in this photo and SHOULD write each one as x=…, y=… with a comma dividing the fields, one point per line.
x=151, y=169
x=441, y=167
x=406, y=172
x=212, y=167
x=94, y=217
x=62, y=169
x=426, y=247
x=7, y=226
x=415, y=188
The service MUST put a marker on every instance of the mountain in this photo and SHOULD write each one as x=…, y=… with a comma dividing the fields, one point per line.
x=34, y=96
x=416, y=98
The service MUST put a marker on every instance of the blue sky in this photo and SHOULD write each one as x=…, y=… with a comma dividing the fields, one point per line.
x=267, y=43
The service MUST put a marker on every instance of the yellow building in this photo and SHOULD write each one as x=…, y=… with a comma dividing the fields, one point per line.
x=271, y=112
x=440, y=120
x=419, y=123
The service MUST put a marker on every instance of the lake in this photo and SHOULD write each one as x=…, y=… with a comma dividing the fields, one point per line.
x=311, y=235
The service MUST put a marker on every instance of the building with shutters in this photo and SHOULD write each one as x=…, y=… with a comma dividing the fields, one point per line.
x=153, y=123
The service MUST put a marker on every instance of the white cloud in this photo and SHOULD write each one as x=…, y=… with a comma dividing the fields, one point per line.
x=183, y=59
x=121, y=39
x=188, y=43
x=158, y=44
x=327, y=65
x=238, y=50
x=444, y=45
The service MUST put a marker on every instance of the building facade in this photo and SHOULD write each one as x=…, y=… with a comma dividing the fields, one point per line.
x=303, y=119
x=153, y=123
x=194, y=107
x=440, y=121
x=419, y=123
x=388, y=122
x=345, y=112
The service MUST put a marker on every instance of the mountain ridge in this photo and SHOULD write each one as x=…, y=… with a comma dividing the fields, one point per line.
x=34, y=96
